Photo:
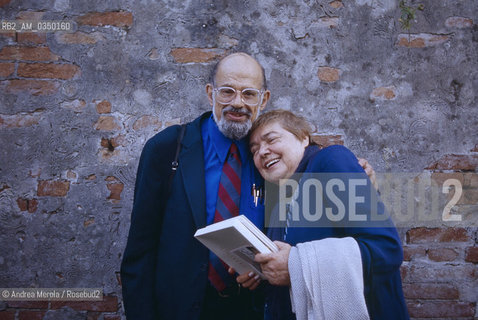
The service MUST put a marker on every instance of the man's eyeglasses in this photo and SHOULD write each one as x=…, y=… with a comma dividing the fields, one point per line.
x=250, y=96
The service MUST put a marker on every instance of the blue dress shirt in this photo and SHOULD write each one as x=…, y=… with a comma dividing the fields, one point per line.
x=216, y=146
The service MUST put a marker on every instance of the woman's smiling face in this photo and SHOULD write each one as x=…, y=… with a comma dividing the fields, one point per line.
x=276, y=152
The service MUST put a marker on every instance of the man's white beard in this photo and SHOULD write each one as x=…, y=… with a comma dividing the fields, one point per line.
x=233, y=129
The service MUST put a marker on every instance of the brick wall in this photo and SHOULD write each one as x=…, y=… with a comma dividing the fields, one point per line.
x=33, y=310
x=439, y=272
x=76, y=109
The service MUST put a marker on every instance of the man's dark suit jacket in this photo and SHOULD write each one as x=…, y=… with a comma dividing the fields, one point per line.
x=164, y=268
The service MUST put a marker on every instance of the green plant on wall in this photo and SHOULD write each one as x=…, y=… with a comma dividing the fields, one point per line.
x=407, y=14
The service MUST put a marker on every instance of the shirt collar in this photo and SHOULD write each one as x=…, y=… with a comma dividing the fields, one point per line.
x=222, y=144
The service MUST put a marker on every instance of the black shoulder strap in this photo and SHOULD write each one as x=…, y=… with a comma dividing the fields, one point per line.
x=175, y=163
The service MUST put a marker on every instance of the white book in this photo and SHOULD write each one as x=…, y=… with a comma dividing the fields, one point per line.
x=236, y=241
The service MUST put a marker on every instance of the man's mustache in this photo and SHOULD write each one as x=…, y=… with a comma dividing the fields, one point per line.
x=237, y=110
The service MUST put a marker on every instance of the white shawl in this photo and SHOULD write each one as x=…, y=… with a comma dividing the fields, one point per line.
x=327, y=280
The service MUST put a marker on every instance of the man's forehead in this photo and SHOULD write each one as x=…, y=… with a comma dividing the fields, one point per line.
x=241, y=67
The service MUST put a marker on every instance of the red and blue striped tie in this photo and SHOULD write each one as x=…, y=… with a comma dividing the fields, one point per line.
x=228, y=198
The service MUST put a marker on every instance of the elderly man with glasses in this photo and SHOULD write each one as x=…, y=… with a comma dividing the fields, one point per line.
x=166, y=273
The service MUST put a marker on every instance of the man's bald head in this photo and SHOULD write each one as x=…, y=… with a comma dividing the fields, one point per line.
x=237, y=55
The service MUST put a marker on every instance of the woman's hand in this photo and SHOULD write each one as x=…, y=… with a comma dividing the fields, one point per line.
x=367, y=167
x=275, y=266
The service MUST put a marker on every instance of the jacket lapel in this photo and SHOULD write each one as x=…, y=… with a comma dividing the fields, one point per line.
x=191, y=165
